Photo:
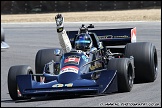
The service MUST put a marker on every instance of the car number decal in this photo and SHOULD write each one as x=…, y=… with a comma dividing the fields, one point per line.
x=72, y=60
x=63, y=85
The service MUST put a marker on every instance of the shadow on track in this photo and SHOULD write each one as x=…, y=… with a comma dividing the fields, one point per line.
x=50, y=98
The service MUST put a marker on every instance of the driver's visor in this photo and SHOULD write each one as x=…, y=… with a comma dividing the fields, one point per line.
x=82, y=41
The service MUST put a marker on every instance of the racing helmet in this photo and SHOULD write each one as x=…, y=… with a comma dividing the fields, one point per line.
x=83, y=42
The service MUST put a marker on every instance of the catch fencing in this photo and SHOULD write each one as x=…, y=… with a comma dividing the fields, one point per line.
x=22, y=7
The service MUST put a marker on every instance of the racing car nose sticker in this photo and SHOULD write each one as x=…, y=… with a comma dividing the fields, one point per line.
x=69, y=69
x=72, y=60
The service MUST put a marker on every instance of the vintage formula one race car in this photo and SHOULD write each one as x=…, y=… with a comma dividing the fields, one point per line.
x=117, y=62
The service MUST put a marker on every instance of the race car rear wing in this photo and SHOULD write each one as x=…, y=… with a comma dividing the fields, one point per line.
x=110, y=36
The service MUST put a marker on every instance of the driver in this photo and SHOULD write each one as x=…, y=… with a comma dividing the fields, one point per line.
x=83, y=40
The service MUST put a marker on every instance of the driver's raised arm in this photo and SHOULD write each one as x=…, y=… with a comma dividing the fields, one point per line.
x=63, y=38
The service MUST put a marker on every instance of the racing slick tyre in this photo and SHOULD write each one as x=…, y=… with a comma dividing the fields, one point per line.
x=145, y=60
x=125, y=73
x=44, y=56
x=12, y=83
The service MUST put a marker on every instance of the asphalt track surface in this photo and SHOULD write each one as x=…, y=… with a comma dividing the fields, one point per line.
x=27, y=38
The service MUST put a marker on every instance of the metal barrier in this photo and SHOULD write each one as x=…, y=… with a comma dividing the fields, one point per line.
x=19, y=7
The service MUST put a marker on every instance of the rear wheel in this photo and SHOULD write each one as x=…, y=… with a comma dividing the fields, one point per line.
x=125, y=73
x=44, y=56
x=12, y=83
x=145, y=60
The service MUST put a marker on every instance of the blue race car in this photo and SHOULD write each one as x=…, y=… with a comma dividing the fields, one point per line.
x=109, y=68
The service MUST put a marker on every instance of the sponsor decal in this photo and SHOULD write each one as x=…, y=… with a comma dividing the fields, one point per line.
x=133, y=35
x=85, y=58
x=111, y=36
x=58, y=85
x=18, y=92
x=69, y=85
x=69, y=69
x=63, y=85
x=105, y=37
x=72, y=59
x=95, y=66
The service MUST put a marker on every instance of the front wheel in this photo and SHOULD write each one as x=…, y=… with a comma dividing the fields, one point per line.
x=125, y=73
x=12, y=83
x=44, y=56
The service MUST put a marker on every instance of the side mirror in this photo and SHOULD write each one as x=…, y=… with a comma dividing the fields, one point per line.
x=57, y=52
x=93, y=50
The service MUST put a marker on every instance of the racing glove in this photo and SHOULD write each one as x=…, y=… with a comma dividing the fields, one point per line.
x=59, y=22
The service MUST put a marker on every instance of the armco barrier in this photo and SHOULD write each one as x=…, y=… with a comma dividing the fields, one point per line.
x=19, y=7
